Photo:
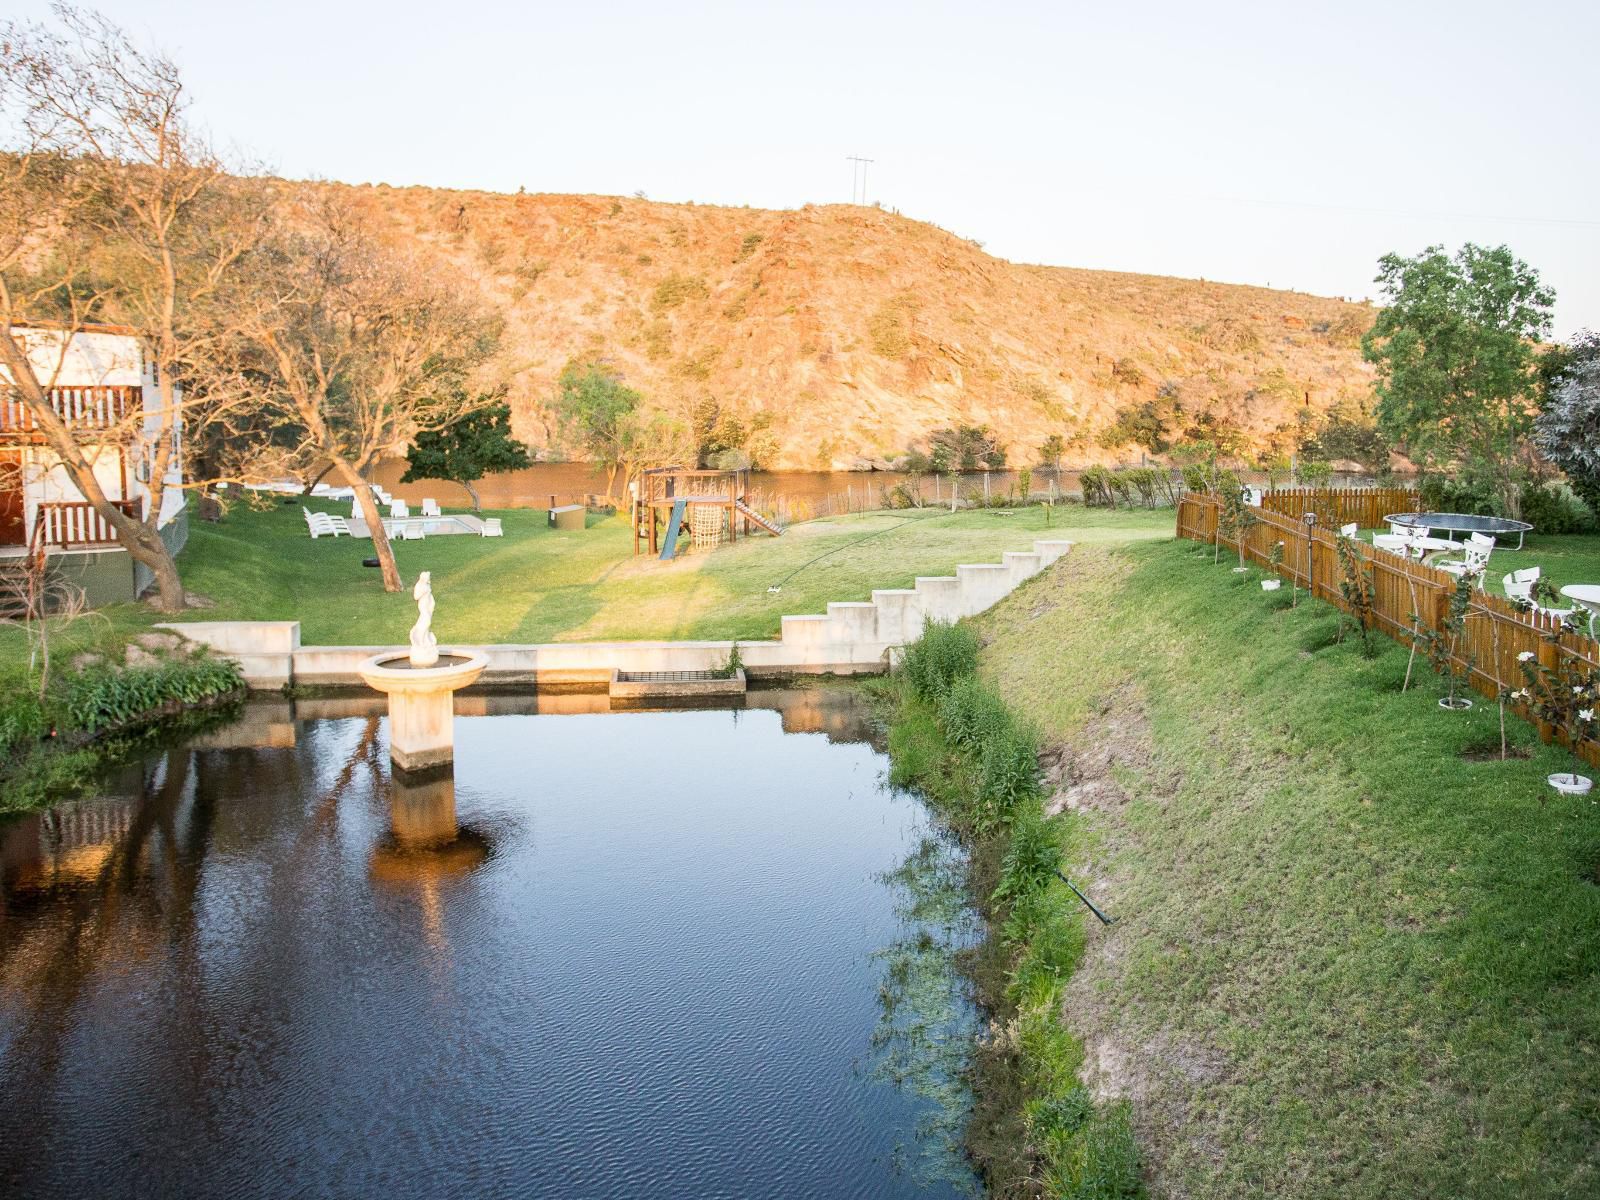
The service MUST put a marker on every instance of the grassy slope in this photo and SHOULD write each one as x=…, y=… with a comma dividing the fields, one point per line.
x=539, y=585
x=1348, y=963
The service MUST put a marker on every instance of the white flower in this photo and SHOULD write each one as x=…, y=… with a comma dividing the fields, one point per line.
x=1586, y=714
x=1520, y=694
x=1525, y=656
x=1577, y=691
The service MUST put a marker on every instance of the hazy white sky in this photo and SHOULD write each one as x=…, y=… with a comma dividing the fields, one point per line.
x=1283, y=144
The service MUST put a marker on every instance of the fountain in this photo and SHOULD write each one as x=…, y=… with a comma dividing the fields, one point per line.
x=420, y=686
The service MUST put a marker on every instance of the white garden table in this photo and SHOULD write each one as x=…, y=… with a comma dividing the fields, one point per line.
x=1586, y=594
x=1398, y=543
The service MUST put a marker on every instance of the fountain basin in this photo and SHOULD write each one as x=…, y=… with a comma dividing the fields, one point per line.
x=421, y=709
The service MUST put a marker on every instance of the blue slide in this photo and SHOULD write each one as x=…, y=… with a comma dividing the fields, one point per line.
x=669, y=547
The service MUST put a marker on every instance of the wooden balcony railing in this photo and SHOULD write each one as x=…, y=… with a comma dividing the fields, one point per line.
x=76, y=524
x=82, y=408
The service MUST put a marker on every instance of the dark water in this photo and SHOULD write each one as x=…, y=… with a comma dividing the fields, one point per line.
x=797, y=494
x=632, y=954
x=823, y=492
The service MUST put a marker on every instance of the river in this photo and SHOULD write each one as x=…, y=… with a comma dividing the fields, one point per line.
x=627, y=954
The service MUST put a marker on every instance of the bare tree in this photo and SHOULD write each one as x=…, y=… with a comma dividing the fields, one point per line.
x=122, y=213
x=344, y=347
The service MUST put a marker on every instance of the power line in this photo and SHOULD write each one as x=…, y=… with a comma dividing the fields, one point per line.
x=858, y=167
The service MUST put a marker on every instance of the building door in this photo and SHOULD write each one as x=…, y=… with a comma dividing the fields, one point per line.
x=13, y=525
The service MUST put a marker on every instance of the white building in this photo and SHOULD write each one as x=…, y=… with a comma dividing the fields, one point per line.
x=101, y=384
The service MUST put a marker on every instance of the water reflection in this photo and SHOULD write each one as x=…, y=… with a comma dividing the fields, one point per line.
x=927, y=1022
x=609, y=955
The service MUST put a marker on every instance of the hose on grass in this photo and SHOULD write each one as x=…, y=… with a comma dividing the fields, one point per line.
x=1104, y=920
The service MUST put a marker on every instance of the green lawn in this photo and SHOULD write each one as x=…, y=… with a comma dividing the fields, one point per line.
x=1348, y=961
x=1566, y=559
x=540, y=585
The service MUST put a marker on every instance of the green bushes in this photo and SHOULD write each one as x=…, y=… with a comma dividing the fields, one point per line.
x=971, y=714
x=22, y=716
x=1556, y=508
x=1550, y=507
x=943, y=654
x=106, y=697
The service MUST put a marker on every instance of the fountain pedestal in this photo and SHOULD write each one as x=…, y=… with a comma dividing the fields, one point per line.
x=421, y=704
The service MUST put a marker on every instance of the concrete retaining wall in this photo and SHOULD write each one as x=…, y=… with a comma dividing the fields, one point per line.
x=852, y=637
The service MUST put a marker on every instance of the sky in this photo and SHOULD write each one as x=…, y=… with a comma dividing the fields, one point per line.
x=1278, y=144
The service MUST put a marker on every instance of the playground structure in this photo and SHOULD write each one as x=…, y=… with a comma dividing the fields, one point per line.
x=712, y=505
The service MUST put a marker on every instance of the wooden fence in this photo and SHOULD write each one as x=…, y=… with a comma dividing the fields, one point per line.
x=1334, y=507
x=1496, y=631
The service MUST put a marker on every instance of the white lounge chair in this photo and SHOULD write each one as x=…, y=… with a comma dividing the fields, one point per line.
x=430, y=507
x=491, y=527
x=1474, y=558
x=411, y=531
x=326, y=523
x=399, y=510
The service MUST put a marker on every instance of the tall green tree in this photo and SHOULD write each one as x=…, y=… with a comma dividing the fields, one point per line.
x=1567, y=428
x=465, y=451
x=1455, y=349
x=605, y=419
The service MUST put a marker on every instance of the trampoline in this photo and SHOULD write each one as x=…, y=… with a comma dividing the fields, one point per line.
x=1454, y=523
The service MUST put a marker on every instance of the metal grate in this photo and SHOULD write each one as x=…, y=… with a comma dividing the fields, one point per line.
x=667, y=676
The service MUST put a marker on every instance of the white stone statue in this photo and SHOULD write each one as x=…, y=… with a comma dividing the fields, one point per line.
x=424, y=646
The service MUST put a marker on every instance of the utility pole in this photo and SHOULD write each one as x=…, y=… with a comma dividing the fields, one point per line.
x=858, y=167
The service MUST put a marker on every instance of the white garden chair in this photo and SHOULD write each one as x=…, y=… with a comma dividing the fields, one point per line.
x=322, y=523
x=491, y=527
x=430, y=507
x=411, y=531
x=1519, y=587
x=399, y=510
x=1519, y=584
x=1474, y=560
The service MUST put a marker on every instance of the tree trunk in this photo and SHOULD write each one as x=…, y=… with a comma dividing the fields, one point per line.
x=477, y=504
x=140, y=538
x=369, y=513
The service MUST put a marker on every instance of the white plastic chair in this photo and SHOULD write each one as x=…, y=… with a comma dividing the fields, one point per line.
x=399, y=510
x=491, y=527
x=411, y=531
x=1474, y=558
x=1519, y=587
x=1519, y=584
x=430, y=507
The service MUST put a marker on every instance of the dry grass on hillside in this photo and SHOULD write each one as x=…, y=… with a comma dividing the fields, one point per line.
x=859, y=330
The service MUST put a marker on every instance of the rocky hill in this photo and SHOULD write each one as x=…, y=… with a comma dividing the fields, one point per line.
x=860, y=331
